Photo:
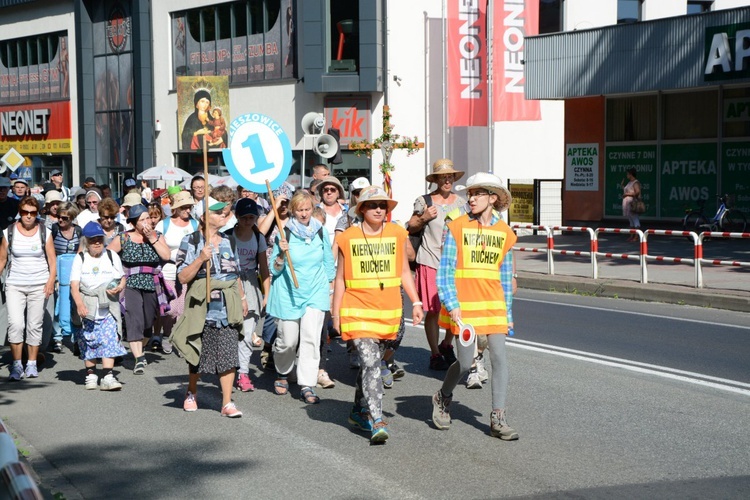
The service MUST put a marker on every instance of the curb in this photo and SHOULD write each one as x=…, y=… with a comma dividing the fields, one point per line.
x=652, y=292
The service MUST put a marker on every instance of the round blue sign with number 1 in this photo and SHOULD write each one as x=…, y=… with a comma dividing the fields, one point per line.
x=259, y=151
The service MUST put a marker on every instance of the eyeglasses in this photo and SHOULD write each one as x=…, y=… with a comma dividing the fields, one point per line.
x=330, y=190
x=478, y=194
x=372, y=205
x=107, y=217
x=64, y=219
x=28, y=212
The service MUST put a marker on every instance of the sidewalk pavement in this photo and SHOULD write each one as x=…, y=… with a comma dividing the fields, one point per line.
x=725, y=287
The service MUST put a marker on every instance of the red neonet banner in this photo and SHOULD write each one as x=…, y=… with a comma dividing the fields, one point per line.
x=43, y=127
x=467, y=63
x=514, y=20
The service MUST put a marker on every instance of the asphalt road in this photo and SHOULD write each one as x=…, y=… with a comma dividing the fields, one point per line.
x=590, y=427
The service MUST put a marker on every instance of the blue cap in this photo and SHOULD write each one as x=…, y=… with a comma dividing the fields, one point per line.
x=246, y=206
x=136, y=211
x=93, y=229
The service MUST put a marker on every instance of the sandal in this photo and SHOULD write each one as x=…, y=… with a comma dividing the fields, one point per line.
x=281, y=387
x=257, y=341
x=308, y=396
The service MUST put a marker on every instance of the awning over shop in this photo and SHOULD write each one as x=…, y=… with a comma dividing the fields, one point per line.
x=671, y=53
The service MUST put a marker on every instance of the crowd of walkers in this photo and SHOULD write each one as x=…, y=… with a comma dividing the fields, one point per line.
x=212, y=274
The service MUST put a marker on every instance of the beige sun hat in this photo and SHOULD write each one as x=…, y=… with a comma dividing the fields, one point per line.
x=182, y=199
x=372, y=193
x=131, y=200
x=493, y=184
x=330, y=180
x=443, y=166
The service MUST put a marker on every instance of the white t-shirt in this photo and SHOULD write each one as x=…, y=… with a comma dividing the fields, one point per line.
x=173, y=237
x=332, y=221
x=96, y=271
x=85, y=217
x=29, y=262
x=247, y=251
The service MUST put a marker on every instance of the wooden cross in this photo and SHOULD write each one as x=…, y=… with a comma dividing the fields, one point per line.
x=387, y=142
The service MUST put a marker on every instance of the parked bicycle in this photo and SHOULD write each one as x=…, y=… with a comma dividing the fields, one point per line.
x=727, y=219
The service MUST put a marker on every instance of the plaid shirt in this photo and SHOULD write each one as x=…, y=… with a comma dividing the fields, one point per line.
x=446, y=280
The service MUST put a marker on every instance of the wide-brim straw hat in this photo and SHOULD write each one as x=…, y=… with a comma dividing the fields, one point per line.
x=332, y=181
x=493, y=184
x=443, y=166
x=372, y=193
x=182, y=199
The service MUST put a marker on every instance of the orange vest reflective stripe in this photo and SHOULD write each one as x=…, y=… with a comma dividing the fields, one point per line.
x=480, y=253
x=367, y=310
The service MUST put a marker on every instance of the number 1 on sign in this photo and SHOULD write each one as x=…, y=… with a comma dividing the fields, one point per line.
x=259, y=155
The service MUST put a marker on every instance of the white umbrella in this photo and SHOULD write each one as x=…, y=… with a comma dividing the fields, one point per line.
x=164, y=173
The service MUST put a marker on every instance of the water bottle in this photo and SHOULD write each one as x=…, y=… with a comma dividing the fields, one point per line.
x=511, y=332
x=113, y=284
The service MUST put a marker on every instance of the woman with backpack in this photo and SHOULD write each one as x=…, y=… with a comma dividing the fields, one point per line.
x=66, y=237
x=32, y=270
x=96, y=281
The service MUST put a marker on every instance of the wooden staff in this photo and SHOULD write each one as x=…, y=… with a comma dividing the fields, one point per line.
x=281, y=233
x=205, y=218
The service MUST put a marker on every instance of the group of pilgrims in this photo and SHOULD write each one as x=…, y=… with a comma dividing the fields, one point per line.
x=219, y=276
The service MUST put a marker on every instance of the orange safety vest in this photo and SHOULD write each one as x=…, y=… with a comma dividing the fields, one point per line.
x=480, y=253
x=367, y=310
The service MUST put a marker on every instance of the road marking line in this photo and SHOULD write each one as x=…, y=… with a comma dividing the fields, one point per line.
x=636, y=366
x=649, y=315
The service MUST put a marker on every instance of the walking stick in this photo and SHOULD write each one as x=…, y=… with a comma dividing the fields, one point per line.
x=281, y=233
x=205, y=218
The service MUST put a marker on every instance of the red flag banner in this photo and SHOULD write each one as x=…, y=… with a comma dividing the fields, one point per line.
x=467, y=63
x=513, y=21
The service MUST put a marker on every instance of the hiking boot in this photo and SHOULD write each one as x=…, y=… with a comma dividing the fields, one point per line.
x=386, y=375
x=92, y=382
x=354, y=362
x=441, y=410
x=379, y=431
x=481, y=368
x=325, y=381
x=31, y=371
x=438, y=363
x=244, y=383
x=446, y=350
x=231, y=411
x=16, y=372
x=190, y=403
x=360, y=418
x=473, y=381
x=499, y=427
x=110, y=383
x=396, y=370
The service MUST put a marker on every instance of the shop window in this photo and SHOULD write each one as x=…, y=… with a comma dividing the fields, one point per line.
x=629, y=11
x=343, y=36
x=31, y=57
x=551, y=16
x=736, y=118
x=699, y=6
x=631, y=118
x=691, y=115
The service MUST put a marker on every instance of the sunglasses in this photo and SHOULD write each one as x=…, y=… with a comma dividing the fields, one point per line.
x=97, y=240
x=64, y=219
x=107, y=217
x=28, y=212
x=330, y=190
x=477, y=194
x=372, y=205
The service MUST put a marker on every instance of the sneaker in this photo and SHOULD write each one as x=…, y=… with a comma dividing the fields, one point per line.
x=166, y=346
x=92, y=382
x=140, y=367
x=396, y=370
x=481, y=368
x=379, y=431
x=110, y=383
x=385, y=375
x=438, y=363
x=31, y=371
x=58, y=347
x=16, y=372
x=231, y=411
x=155, y=345
x=441, y=411
x=325, y=381
x=360, y=418
x=244, y=383
x=446, y=350
x=473, y=381
x=499, y=427
x=354, y=362
x=190, y=403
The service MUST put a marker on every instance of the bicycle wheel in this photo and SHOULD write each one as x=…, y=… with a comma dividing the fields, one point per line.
x=695, y=221
x=733, y=221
